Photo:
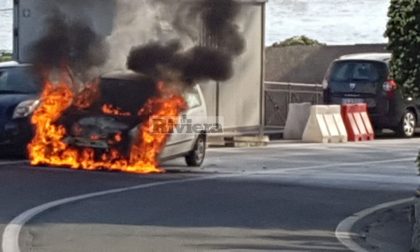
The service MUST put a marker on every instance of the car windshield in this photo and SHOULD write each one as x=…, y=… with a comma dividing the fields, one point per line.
x=18, y=80
x=357, y=76
x=128, y=95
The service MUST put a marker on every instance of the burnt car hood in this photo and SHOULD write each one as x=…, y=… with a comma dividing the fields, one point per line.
x=127, y=94
x=88, y=125
x=99, y=131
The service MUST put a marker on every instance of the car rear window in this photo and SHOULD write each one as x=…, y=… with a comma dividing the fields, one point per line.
x=20, y=80
x=357, y=76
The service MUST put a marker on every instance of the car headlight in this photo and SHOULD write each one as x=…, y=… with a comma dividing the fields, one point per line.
x=24, y=109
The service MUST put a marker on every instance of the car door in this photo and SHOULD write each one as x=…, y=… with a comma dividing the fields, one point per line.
x=182, y=139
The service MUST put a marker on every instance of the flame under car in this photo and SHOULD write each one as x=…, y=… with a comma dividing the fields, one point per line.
x=113, y=121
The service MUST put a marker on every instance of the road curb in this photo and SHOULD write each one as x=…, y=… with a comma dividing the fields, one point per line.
x=344, y=231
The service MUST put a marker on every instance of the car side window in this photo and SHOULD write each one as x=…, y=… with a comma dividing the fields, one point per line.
x=192, y=97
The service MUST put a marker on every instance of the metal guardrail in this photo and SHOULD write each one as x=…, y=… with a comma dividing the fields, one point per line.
x=278, y=96
x=293, y=84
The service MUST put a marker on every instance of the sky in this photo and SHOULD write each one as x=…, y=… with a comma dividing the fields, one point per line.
x=329, y=21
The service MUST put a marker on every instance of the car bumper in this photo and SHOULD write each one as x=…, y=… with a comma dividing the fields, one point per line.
x=15, y=134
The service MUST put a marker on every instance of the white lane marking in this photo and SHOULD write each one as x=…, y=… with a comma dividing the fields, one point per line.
x=10, y=238
x=285, y=170
x=10, y=242
x=344, y=233
x=316, y=147
x=3, y=163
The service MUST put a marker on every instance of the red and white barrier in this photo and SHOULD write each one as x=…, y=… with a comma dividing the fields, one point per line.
x=357, y=122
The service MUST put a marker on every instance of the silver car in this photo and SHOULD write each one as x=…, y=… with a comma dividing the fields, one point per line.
x=129, y=92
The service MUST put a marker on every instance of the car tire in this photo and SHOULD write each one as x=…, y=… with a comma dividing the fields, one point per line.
x=195, y=157
x=407, y=125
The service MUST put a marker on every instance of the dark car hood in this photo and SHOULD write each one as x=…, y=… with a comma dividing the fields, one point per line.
x=8, y=103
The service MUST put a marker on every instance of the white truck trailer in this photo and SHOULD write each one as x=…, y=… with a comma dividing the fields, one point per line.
x=239, y=101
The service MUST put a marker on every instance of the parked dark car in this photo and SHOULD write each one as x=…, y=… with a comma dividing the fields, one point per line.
x=19, y=92
x=364, y=78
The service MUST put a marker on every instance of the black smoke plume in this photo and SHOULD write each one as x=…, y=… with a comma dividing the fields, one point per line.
x=68, y=43
x=195, y=64
x=218, y=19
x=212, y=58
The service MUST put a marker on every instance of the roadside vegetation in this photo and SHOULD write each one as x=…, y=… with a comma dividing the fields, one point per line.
x=298, y=41
x=403, y=31
x=5, y=57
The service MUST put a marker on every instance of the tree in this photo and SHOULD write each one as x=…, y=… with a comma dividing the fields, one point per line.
x=403, y=32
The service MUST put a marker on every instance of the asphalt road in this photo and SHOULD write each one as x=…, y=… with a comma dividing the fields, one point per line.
x=285, y=197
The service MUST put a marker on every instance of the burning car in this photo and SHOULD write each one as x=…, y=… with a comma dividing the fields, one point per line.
x=104, y=122
x=113, y=122
x=130, y=121
x=124, y=122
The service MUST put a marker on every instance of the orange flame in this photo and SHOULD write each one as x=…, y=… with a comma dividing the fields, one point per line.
x=167, y=107
x=49, y=147
x=118, y=137
x=87, y=96
x=109, y=109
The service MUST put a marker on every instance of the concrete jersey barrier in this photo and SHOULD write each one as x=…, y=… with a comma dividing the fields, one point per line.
x=325, y=125
x=297, y=119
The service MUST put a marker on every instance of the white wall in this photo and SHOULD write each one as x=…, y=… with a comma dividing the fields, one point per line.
x=32, y=13
x=240, y=96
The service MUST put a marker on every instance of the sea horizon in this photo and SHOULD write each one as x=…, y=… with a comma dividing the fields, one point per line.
x=338, y=22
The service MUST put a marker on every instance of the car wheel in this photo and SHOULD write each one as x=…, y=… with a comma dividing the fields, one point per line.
x=195, y=158
x=407, y=125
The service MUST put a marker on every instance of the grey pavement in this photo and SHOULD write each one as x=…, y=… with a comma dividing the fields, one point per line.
x=285, y=197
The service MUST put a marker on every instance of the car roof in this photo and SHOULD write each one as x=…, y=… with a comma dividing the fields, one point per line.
x=384, y=57
x=13, y=64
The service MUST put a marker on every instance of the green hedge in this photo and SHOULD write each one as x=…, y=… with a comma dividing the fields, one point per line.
x=6, y=57
x=296, y=41
x=403, y=31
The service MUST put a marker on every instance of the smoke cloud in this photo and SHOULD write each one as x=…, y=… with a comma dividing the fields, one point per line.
x=136, y=23
x=188, y=40
x=165, y=61
x=217, y=19
x=209, y=25
x=71, y=44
